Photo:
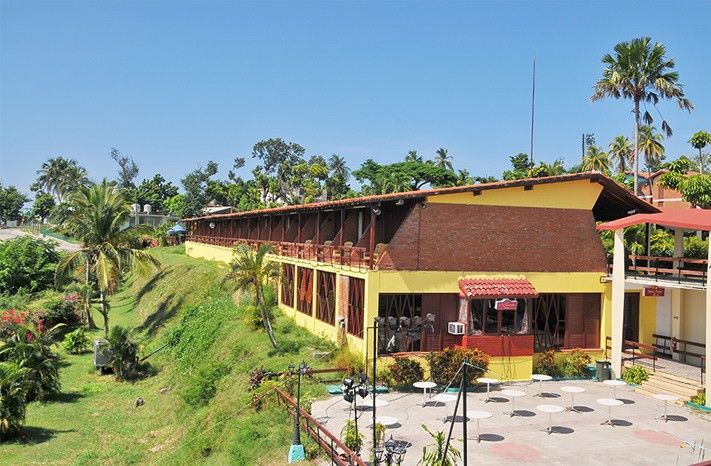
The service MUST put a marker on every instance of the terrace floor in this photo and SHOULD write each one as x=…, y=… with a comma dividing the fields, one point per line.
x=578, y=438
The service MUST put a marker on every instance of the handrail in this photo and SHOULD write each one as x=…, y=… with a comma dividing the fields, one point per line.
x=344, y=256
x=675, y=267
x=332, y=445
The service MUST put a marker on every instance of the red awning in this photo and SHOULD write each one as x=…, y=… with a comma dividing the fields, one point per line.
x=496, y=288
x=686, y=219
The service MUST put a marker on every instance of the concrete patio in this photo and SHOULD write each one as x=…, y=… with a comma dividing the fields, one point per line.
x=636, y=438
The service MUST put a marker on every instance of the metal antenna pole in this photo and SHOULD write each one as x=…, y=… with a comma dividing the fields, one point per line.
x=375, y=367
x=451, y=426
x=533, y=108
x=465, y=382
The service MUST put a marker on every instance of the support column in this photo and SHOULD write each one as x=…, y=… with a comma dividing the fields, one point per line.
x=678, y=246
x=618, y=301
x=708, y=333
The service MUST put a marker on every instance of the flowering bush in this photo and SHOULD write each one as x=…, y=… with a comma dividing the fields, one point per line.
x=12, y=320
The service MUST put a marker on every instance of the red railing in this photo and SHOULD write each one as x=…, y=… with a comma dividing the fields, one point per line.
x=336, y=450
x=344, y=256
x=679, y=268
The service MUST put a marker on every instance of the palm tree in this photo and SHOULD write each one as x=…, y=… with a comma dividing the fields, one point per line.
x=250, y=271
x=60, y=176
x=641, y=72
x=650, y=144
x=463, y=178
x=596, y=159
x=443, y=159
x=621, y=153
x=412, y=156
x=12, y=398
x=699, y=140
x=338, y=166
x=98, y=214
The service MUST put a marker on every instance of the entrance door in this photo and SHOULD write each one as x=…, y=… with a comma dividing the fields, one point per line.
x=630, y=324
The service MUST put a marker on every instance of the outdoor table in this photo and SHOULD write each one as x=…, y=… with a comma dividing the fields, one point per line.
x=540, y=378
x=488, y=381
x=609, y=402
x=444, y=398
x=666, y=398
x=387, y=421
x=513, y=394
x=424, y=386
x=368, y=402
x=614, y=384
x=572, y=389
x=478, y=415
x=550, y=409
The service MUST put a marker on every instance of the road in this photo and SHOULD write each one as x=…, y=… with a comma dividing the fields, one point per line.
x=10, y=233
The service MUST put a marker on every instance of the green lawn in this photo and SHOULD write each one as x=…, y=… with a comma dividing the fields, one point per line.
x=95, y=421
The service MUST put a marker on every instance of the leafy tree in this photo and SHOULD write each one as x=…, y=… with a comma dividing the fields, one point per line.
x=278, y=161
x=12, y=399
x=175, y=205
x=650, y=144
x=11, y=202
x=43, y=206
x=127, y=171
x=402, y=176
x=28, y=264
x=196, y=194
x=620, y=151
x=251, y=271
x=521, y=167
x=596, y=159
x=155, y=191
x=106, y=253
x=641, y=72
x=60, y=177
x=443, y=159
x=696, y=189
x=699, y=140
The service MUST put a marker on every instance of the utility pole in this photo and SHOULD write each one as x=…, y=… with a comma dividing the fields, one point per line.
x=533, y=107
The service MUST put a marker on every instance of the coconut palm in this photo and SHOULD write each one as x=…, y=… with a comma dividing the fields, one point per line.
x=699, y=140
x=443, y=159
x=596, y=159
x=650, y=144
x=98, y=215
x=250, y=271
x=412, y=156
x=621, y=153
x=338, y=166
x=641, y=72
x=60, y=176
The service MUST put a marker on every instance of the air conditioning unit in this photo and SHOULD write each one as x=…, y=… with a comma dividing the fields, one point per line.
x=455, y=328
x=102, y=353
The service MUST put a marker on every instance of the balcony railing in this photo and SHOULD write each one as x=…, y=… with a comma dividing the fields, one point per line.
x=682, y=270
x=343, y=256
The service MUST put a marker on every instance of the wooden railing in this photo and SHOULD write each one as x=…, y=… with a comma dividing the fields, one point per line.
x=336, y=450
x=344, y=256
x=679, y=268
x=636, y=350
x=671, y=345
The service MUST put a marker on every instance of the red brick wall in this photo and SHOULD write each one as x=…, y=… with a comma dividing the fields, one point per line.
x=495, y=238
x=504, y=345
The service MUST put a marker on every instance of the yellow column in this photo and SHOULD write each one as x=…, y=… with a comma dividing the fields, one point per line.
x=708, y=332
x=676, y=299
x=618, y=301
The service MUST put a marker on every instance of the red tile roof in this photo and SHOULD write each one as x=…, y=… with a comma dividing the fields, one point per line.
x=497, y=288
x=686, y=219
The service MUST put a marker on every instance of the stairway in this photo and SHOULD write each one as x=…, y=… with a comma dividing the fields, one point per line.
x=660, y=382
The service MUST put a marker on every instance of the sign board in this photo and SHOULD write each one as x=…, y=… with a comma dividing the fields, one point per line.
x=657, y=291
x=506, y=304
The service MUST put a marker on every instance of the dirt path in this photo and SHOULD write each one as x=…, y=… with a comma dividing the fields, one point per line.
x=10, y=233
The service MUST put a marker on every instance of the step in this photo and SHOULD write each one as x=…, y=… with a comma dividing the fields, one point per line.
x=662, y=385
x=676, y=378
x=650, y=393
x=676, y=381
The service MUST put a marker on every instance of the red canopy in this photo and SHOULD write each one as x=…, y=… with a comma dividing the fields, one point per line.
x=497, y=288
x=687, y=219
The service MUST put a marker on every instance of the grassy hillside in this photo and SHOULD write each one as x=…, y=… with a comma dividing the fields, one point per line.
x=197, y=406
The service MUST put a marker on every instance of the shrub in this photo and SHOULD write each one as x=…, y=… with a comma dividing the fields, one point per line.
x=12, y=399
x=445, y=364
x=699, y=399
x=404, y=372
x=124, y=352
x=351, y=437
x=546, y=364
x=63, y=310
x=575, y=363
x=204, y=385
x=76, y=342
x=27, y=263
x=350, y=361
x=635, y=375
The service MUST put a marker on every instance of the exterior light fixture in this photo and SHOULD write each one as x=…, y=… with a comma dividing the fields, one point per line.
x=212, y=225
x=390, y=453
x=351, y=392
x=377, y=211
x=400, y=202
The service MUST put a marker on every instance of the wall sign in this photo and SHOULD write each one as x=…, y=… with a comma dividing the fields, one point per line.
x=506, y=304
x=657, y=291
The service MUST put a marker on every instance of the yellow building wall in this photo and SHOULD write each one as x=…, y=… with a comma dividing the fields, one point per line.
x=580, y=194
x=208, y=251
x=647, y=318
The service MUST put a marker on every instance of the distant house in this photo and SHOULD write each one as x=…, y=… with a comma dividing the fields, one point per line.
x=656, y=194
x=146, y=216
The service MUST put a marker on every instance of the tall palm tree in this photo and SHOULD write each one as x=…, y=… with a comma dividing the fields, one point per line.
x=98, y=215
x=338, y=166
x=650, y=144
x=621, y=153
x=250, y=271
x=641, y=72
x=412, y=156
x=60, y=176
x=699, y=140
x=443, y=159
x=596, y=159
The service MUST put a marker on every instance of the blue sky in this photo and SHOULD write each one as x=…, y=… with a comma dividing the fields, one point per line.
x=177, y=84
